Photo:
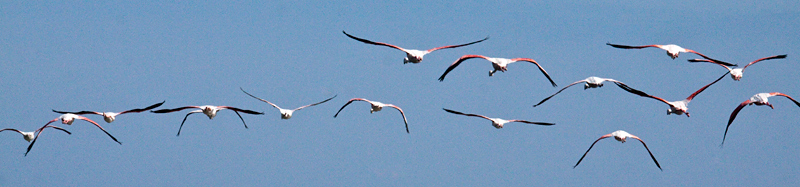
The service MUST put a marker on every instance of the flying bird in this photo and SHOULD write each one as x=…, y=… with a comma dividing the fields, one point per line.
x=209, y=110
x=412, y=55
x=111, y=116
x=675, y=107
x=736, y=73
x=29, y=136
x=68, y=119
x=286, y=113
x=497, y=122
x=499, y=64
x=672, y=50
x=620, y=136
x=758, y=99
x=591, y=82
x=376, y=106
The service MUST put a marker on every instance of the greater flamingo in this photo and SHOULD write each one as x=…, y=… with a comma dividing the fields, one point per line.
x=375, y=107
x=111, y=116
x=209, y=111
x=591, y=82
x=736, y=73
x=672, y=50
x=286, y=113
x=497, y=122
x=620, y=135
x=499, y=64
x=675, y=107
x=68, y=119
x=29, y=136
x=412, y=55
x=758, y=99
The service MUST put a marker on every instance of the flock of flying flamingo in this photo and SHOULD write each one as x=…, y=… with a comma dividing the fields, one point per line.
x=416, y=56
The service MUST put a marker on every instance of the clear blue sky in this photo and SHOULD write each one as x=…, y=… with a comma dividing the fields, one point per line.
x=114, y=56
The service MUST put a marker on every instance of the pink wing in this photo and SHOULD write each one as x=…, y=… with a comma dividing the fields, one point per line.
x=590, y=148
x=631, y=47
x=704, y=87
x=373, y=43
x=540, y=68
x=473, y=115
x=348, y=103
x=733, y=116
x=711, y=61
x=648, y=151
x=143, y=109
x=784, y=95
x=454, y=46
x=458, y=62
x=559, y=91
x=401, y=113
x=765, y=58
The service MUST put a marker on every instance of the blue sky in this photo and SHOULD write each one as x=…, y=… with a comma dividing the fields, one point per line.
x=115, y=56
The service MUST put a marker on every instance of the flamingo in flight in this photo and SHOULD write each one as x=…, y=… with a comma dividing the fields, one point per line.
x=758, y=99
x=736, y=73
x=672, y=50
x=497, y=122
x=675, y=107
x=111, y=116
x=620, y=135
x=209, y=111
x=68, y=119
x=286, y=113
x=29, y=136
x=412, y=55
x=499, y=64
x=591, y=82
x=376, y=106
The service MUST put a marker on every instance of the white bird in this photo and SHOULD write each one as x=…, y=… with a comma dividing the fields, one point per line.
x=758, y=99
x=672, y=50
x=111, y=116
x=620, y=136
x=675, y=107
x=497, y=122
x=736, y=73
x=591, y=82
x=286, y=113
x=68, y=119
x=499, y=64
x=412, y=55
x=29, y=136
x=376, y=106
x=209, y=111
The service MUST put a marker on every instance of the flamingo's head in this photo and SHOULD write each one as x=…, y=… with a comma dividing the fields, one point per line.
x=28, y=136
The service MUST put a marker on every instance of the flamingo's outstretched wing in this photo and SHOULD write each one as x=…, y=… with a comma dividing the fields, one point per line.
x=704, y=87
x=559, y=91
x=540, y=68
x=143, y=109
x=373, y=43
x=458, y=62
x=530, y=122
x=733, y=116
x=454, y=46
x=326, y=100
x=401, y=113
x=765, y=58
x=648, y=151
x=348, y=103
x=590, y=148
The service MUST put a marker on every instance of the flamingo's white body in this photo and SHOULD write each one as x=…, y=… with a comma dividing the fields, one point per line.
x=619, y=135
x=412, y=55
x=736, y=73
x=287, y=113
x=499, y=64
x=675, y=107
x=591, y=82
x=672, y=50
x=497, y=122
x=111, y=116
x=758, y=100
x=208, y=110
x=375, y=107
